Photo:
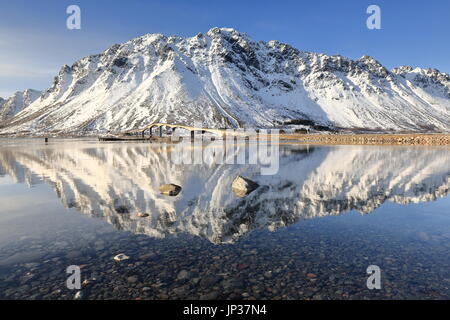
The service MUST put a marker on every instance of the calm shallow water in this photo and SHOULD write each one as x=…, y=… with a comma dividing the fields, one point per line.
x=309, y=232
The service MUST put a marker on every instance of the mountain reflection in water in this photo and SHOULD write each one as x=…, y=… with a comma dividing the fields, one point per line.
x=115, y=181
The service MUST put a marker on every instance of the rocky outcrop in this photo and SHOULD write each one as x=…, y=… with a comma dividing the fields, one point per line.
x=170, y=189
x=242, y=186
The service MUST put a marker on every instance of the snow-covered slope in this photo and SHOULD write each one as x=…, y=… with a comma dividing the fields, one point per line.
x=225, y=79
x=114, y=182
x=16, y=103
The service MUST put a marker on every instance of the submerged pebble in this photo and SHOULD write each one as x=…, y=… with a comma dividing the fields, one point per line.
x=121, y=257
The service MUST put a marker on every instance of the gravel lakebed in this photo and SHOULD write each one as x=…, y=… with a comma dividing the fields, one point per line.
x=310, y=260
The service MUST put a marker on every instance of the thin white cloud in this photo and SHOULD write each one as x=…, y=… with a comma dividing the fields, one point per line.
x=31, y=59
x=4, y=43
x=21, y=70
x=6, y=94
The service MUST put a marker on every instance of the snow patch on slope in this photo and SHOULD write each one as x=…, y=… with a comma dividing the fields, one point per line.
x=225, y=79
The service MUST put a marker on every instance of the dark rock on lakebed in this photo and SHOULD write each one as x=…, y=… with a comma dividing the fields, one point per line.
x=170, y=189
x=242, y=186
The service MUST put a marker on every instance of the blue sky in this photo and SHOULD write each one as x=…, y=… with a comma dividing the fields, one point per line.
x=35, y=43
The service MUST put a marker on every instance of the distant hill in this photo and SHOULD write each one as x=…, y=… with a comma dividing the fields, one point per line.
x=17, y=102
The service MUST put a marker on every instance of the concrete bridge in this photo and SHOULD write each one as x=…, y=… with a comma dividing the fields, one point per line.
x=160, y=125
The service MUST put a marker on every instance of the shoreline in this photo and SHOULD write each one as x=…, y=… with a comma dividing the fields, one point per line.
x=431, y=139
x=425, y=139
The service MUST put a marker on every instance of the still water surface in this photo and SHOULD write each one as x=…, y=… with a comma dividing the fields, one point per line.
x=308, y=232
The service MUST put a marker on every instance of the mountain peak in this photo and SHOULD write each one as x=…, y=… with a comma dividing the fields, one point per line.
x=370, y=61
x=18, y=101
x=366, y=58
x=223, y=31
x=402, y=69
x=225, y=79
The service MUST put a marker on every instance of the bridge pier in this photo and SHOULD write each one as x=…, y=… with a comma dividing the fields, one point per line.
x=170, y=129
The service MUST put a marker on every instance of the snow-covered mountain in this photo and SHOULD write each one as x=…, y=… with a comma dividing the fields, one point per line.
x=114, y=182
x=17, y=102
x=225, y=79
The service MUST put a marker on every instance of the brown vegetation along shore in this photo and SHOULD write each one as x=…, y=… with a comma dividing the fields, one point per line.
x=431, y=139
x=370, y=139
